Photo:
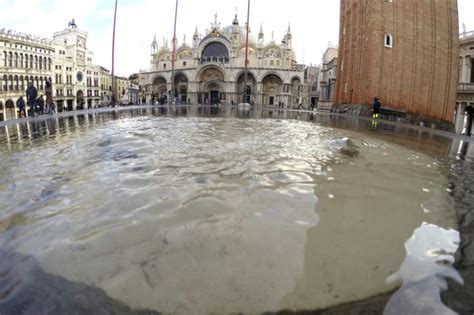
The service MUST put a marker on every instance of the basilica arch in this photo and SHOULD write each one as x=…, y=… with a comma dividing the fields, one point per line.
x=272, y=86
x=181, y=88
x=215, y=51
x=250, y=90
x=295, y=91
x=159, y=86
x=211, y=81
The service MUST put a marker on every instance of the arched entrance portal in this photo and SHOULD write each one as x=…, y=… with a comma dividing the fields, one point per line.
x=246, y=95
x=181, y=88
x=9, y=110
x=213, y=93
x=80, y=99
x=211, y=81
x=159, y=90
x=272, y=89
x=295, y=98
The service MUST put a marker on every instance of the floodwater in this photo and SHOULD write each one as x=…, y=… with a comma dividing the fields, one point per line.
x=208, y=212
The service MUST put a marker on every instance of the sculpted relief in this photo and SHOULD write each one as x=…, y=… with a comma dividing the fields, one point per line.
x=212, y=74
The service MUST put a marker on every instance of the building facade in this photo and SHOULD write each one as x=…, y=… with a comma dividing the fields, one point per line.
x=465, y=96
x=211, y=70
x=310, y=87
x=81, y=87
x=404, y=52
x=24, y=59
x=65, y=61
x=327, y=84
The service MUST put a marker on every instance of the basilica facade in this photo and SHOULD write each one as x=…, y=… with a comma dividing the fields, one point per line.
x=211, y=70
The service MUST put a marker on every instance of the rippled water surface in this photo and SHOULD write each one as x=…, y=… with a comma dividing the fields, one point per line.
x=219, y=215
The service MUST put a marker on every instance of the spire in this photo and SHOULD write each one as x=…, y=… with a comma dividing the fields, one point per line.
x=261, y=36
x=154, y=45
x=289, y=28
x=196, y=38
x=236, y=20
x=216, y=24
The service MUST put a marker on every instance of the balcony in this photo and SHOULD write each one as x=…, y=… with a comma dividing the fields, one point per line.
x=298, y=67
x=466, y=88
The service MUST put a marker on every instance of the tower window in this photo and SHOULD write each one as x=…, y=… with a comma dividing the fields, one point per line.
x=388, y=40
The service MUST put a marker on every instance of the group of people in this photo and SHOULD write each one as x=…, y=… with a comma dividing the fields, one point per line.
x=38, y=105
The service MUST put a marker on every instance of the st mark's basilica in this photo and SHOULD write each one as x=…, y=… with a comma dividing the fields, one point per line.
x=211, y=70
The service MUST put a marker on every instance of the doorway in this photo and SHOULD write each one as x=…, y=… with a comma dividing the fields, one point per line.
x=214, y=97
x=272, y=100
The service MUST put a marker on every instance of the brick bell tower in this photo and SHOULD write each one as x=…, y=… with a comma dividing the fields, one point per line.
x=403, y=51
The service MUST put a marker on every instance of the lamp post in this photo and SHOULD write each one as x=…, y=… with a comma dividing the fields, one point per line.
x=173, y=59
x=245, y=96
x=113, y=57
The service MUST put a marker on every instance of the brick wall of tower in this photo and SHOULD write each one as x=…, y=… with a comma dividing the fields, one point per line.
x=419, y=74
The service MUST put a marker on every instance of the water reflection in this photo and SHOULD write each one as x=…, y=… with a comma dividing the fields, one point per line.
x=423, y=273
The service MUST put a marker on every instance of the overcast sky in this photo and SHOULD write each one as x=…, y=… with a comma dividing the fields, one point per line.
x=314, y=23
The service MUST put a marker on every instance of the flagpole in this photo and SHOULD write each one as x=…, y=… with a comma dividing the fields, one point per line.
x=246, y=54
x=173, y=59
x=113, y=56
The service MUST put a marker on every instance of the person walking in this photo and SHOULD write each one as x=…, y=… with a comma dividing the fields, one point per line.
x=376, y=108
x=31, y=95
x=375, y=112
x=20, y=103
x=50, y=108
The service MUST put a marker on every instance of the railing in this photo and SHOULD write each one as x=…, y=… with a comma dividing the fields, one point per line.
x=466, y=35
x=298, y=67
x=466, y=87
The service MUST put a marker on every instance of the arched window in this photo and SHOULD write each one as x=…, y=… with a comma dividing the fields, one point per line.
x=36, y=62
x=26, y=61
x=21, y=61
x=31, y=61
x=388, y=40
x=10, y=80
x=5, y=82
x=10, y=59
x=215, y=51
x=41, y=62
x=22, y=83
x=16, y=60
x=45, y=63
x=16, y=83
x=5, y=58
x=50, y=62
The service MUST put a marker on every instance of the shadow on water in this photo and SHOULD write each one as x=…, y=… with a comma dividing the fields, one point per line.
x=26, y=289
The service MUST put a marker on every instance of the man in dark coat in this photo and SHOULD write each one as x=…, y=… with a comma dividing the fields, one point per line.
x=31, y=95
x=20, y=103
